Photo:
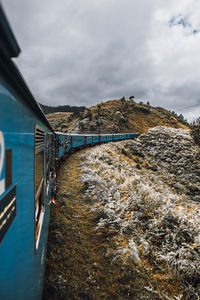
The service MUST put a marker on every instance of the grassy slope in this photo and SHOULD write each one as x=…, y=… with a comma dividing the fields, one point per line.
x=126, y=116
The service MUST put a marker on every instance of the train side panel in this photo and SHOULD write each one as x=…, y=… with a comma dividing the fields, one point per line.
x=78, y=141
x=132, y=135
x=60, y=145
x=103, y=138
x=89, y=140
x=109, y=137
x=22, y=255
x=95, y=139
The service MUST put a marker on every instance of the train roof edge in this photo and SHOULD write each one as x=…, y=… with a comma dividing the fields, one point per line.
x=8, y=42
x=90, y=134
x=9, y=49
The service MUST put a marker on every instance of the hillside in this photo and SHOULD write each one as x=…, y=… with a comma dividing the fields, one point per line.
x=126, y=221
x=59, y=120
x=115, y=116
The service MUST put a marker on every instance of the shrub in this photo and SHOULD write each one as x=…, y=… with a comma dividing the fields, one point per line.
x=195, y=131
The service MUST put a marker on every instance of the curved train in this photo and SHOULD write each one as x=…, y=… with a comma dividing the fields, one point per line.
x=29, y=149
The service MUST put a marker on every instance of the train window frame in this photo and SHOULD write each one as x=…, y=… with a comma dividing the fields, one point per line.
x=47, y=153
x=39, y=197
x=48, y=160
x=8, y=168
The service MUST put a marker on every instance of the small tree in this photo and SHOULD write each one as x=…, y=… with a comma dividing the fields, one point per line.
x=181, y=117
x=195, y=132
x=131, y=98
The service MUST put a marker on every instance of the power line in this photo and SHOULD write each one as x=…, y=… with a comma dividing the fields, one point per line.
x=186, y=106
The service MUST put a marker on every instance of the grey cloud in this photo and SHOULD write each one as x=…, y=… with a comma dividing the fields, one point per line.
x=81, y=52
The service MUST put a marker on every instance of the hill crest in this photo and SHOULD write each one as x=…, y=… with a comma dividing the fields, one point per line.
x=115, y=116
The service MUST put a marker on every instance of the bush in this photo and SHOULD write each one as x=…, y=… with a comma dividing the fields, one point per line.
x=195, y=131
x=131, y=98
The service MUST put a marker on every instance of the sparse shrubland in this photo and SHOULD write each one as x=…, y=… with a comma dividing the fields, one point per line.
x=137, y=193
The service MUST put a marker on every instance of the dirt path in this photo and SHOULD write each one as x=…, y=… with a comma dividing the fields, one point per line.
x=79, y=262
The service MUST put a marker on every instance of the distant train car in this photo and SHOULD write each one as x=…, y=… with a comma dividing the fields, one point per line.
x=132, y=135
x=63, y=144
x=103, y=138
x=95, y=139
x=77, y=140
x=26, y=154
x=109, y=137
x=89, y=139
x=119, y=136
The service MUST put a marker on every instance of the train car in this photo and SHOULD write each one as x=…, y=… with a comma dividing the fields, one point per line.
x=27, y=147
x=132, y=135
x=60, y=145
x=89, y=139
x=95, y=138
x=103, y=138
x=77, y=140
x=109, y=137
x=63, y=144
x=119, y=137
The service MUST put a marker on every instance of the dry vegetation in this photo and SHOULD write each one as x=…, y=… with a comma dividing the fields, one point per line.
x=79, y=260
x=115, y=116
x=56, y=119
x=126, y=224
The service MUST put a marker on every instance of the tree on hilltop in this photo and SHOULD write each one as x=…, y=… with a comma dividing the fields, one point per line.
x=195, y=131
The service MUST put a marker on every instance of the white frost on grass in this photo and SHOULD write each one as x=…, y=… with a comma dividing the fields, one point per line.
x=136, y=205
x=134, y=250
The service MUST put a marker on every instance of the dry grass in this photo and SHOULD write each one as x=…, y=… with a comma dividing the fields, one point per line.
x=137, y=118
x=119, y=232
x=79, y=257
x=81, y=260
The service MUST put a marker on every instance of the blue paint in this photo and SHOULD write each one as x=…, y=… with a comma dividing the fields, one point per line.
x=21, y=271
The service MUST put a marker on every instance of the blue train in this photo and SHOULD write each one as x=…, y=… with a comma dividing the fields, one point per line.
x=66, y=142
x=29, y=149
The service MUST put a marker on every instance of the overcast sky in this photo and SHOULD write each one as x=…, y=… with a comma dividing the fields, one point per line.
x=81, y=52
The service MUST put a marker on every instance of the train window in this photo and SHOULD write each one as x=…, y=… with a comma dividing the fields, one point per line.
x=8, y=168
x=39, y=182
x=48, y=158
x=47, y=153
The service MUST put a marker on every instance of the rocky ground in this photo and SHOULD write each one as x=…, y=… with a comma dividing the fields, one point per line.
x=59, y=120
x=115, y=116
x=127, y=221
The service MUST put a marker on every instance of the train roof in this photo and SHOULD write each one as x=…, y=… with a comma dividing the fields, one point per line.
x=9, y=49
x=78, y=134
x=93, y=134
x=8, y=43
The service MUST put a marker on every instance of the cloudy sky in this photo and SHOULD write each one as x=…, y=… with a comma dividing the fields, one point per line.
x=81, y=52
